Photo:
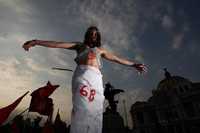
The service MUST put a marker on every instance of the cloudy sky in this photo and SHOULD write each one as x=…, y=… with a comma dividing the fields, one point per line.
x=158, y=33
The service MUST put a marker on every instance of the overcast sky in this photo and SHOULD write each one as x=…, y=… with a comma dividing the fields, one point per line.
x=158, y=33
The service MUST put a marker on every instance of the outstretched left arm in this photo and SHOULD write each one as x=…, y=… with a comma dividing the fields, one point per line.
x=112, y=57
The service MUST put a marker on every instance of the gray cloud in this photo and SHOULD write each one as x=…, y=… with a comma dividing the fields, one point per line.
x=167, y=22
x=115, y=20
x=177, y=40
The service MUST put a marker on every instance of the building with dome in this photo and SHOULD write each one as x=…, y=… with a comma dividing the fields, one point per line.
x=174, y=107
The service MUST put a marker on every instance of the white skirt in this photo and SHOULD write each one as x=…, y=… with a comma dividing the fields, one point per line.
x=87, y=99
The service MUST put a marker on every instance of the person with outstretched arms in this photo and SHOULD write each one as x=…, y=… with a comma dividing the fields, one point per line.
x=87, y=85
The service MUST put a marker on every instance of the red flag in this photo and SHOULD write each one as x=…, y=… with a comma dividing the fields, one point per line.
x=40, y=102
x=5, y=112
x=44, y=106
x=45, y=91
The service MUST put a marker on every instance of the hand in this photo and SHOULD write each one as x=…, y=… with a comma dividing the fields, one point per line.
x=140, y=68
x=29, y=44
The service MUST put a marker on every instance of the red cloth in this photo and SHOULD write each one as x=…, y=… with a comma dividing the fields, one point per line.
x=45, y=91
x=5, y=112
x=40, y=102
x=44, y=106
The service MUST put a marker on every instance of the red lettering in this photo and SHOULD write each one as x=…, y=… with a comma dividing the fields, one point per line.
x=92, y=94
x=83, y=90
x=87, y=92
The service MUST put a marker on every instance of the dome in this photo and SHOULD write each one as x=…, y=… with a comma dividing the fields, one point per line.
x=173, y=82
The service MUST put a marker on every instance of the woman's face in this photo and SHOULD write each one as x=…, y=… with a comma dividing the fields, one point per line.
x=93, y=35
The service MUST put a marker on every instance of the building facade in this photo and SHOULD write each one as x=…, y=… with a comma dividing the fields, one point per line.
x=174, y=107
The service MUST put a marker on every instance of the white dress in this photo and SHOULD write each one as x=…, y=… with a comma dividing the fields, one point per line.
x=87, y=99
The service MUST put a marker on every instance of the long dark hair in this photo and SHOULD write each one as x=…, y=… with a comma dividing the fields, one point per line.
x=87, y=39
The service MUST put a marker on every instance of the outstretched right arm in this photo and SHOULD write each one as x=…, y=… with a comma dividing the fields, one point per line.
x=51, y=44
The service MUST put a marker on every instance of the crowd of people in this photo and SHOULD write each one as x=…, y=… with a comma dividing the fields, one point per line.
x=21, y=125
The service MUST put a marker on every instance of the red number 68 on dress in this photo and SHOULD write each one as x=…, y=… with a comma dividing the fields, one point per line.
x=88, y=92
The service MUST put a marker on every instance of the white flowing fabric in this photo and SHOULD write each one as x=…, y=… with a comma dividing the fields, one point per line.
x=87, y=99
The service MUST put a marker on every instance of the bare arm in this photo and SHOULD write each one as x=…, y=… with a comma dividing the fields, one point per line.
x=50, y=44
x=112, y=57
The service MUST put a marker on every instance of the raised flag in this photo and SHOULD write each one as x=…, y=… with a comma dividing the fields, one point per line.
x=5, y=112
x=40, y=102
x=45, y=91
x=44, y=106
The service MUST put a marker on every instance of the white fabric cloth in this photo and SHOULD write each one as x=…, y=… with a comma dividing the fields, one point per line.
x=87, y=99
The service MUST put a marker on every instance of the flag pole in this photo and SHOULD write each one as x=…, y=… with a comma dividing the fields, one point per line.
x=23, y=111
x=62, y=69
